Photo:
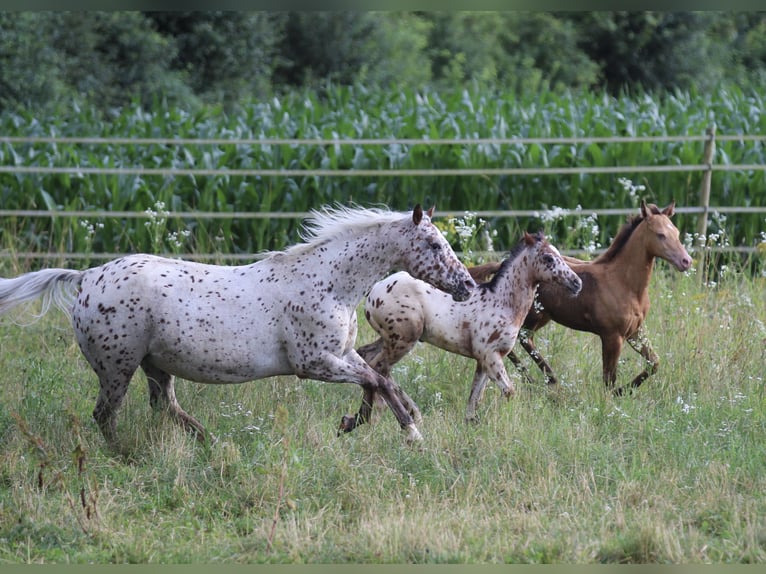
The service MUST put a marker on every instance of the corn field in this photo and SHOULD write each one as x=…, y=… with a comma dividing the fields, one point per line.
x=355, y=113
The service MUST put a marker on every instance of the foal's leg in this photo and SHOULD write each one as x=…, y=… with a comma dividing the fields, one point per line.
x=528, y=343
x=382, y=355
x=364, y=415
x=640, y=343
x=372, y=401
x=162, y=395
x=477, y=393
x=488, y=367
x=371, y=352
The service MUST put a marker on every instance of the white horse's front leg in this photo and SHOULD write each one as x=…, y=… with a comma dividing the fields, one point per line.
x=351, y=368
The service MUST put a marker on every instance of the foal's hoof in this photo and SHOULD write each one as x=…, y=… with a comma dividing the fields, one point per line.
x=347, y=424
x=413, y=435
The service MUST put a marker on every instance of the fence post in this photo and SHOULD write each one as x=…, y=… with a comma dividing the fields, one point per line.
x=706, y=179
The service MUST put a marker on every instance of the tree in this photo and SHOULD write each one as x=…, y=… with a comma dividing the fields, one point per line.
x=30, y=73
x=224, y=56
x=348, y=47
x=650, y=50
x=113, y=58
x=516, y=50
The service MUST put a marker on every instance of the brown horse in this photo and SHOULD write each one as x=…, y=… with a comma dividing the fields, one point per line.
x=614, y=300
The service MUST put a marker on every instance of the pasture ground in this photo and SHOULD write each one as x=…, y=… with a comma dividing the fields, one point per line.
x=675, y=473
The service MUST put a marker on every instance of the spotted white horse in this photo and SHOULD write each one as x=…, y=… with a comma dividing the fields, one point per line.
x=293, y=312
x=404, y=310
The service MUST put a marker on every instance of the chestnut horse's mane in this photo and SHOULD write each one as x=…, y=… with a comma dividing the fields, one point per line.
x=625, y=232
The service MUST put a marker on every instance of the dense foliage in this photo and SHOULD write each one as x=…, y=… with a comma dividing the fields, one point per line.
x=107, y=59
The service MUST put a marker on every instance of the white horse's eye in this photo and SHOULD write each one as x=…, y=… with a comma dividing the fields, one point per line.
x=436, y=246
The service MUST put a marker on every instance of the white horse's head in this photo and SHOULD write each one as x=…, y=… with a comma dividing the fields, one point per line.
x=431, y=258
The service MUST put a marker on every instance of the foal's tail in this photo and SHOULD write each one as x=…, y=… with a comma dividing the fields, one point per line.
x=57, y=286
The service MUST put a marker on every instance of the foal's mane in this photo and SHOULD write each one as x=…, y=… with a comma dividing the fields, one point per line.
x=623, y=235
x=508, y=262
x=331, y=222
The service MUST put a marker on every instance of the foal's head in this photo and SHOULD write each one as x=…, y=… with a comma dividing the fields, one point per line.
x=543, y=264
x=548, y=265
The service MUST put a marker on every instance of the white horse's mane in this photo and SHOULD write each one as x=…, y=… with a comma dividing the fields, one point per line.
x=330, y=222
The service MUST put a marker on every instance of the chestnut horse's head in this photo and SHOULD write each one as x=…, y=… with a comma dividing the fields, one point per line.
x=662, y=237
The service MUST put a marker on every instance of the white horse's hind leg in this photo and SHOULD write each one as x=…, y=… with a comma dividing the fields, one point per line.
x=110, y=397
x=162, y=395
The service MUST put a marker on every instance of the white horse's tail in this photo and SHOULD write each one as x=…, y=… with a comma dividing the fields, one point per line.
x=57, y=286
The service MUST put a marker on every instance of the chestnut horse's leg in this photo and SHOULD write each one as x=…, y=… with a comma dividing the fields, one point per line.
x=611, y=347
x=640, y=343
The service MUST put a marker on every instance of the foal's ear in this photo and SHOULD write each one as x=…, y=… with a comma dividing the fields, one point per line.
x=644, y=211
x=417, y=214
x=670, y=210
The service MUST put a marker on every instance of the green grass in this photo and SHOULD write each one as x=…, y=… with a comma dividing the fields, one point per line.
x=673, y=474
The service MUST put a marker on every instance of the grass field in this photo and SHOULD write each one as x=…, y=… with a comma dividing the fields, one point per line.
x=675, y=473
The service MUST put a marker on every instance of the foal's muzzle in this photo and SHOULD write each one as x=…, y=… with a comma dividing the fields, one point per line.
x=574, y=285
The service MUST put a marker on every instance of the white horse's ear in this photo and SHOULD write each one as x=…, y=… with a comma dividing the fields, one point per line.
x=431, y=211
x=417, y=214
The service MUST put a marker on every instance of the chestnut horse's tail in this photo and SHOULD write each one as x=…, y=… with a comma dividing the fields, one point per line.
x=55, y=286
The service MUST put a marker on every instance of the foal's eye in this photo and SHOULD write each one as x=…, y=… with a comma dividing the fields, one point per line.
x=661, y=236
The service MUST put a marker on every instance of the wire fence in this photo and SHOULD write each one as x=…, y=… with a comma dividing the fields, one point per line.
x=706, y=166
